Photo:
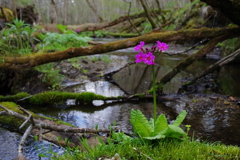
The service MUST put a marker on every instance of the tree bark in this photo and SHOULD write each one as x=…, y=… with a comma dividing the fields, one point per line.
x=148, y=14
x=65, y=13
x=24, y=62
x=230, y=8
x=54, y=18
x=94, y=11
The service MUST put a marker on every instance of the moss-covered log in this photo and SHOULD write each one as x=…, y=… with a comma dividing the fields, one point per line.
x=38, y=59
x=58, y=132
x=80, y=98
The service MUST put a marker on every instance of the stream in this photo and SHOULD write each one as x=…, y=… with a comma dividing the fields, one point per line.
x=208, y=121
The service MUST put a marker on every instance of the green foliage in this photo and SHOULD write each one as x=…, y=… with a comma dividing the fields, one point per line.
x=147, y=27
x=158, y=130
x=133, y=148
x=51, y=75
x=62, y=28
x=56, y=40
x=14, y=97
x=106, y=58
x=69, y=38
x=140, y=124
x=17, y=38
x=230, y=45
x=98, y=33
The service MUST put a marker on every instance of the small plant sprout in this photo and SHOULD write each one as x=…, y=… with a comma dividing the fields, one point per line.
x=188, y=127
x=156, y=128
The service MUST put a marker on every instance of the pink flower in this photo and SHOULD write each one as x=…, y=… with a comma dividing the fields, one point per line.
x=139, y=47
x=140, y=57
x=162, y=46
x=149, y=59
x=77, y=30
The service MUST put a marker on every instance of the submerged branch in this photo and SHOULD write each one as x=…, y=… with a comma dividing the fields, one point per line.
x=215, y=66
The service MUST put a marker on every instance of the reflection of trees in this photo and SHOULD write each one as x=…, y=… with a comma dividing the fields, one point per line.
x=67, y=116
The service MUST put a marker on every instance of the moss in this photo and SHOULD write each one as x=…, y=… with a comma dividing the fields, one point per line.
x=15, y=122
x=61, y=97
x=51, y=97
x=140, y=95
x=87, y=97
x=14, y=97
x=54, y=97
x=10, y=120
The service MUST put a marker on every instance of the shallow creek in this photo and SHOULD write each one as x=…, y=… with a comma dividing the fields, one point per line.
x=208, y=121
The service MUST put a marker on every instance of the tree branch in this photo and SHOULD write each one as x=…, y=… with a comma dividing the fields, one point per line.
x=181, y=35
x=215, y=66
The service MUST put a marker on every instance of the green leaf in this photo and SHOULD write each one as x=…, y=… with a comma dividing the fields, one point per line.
x=41, y=155
x=180, y=118
x=175, y=132
x=159, y=136
x=140, y=124
x=151, y=122
x=160, y=124
x=61, y=27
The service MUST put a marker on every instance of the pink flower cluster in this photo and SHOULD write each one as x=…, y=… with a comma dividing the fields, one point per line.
x=77, y=30
x=146, y=55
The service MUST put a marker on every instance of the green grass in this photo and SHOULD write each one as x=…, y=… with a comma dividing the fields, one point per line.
x=137, y=150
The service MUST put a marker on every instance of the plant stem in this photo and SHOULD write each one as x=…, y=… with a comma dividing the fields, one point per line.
x=154, y=96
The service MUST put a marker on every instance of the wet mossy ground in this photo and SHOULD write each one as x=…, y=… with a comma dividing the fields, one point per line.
x=52, y=97
x=13, y=122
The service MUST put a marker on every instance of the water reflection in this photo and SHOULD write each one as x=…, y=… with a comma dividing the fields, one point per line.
x=9, y=142
x=85, y=116
x=137, y=78
x=101, y=87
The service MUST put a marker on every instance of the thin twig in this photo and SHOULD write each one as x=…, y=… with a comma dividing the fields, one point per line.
x=195, y=45
x=22, y=141
x=29, y=114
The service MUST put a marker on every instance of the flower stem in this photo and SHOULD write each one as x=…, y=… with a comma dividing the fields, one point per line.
x=154, y=96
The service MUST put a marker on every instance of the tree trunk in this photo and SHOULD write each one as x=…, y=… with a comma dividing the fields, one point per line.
x=54, y=18
x=94, y=11
x=181, y=35
x=65, y=13
x=230, y=8
x=148, y=14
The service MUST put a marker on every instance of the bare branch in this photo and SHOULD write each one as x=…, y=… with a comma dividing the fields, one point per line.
x=22, y=141
x=3, y=113
x=30, y=119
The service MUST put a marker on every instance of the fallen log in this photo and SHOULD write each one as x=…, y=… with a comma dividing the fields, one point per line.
x=23, y=62
x=35, y=125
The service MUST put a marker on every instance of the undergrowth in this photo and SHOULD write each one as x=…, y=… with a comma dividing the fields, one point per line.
x=135, y=149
